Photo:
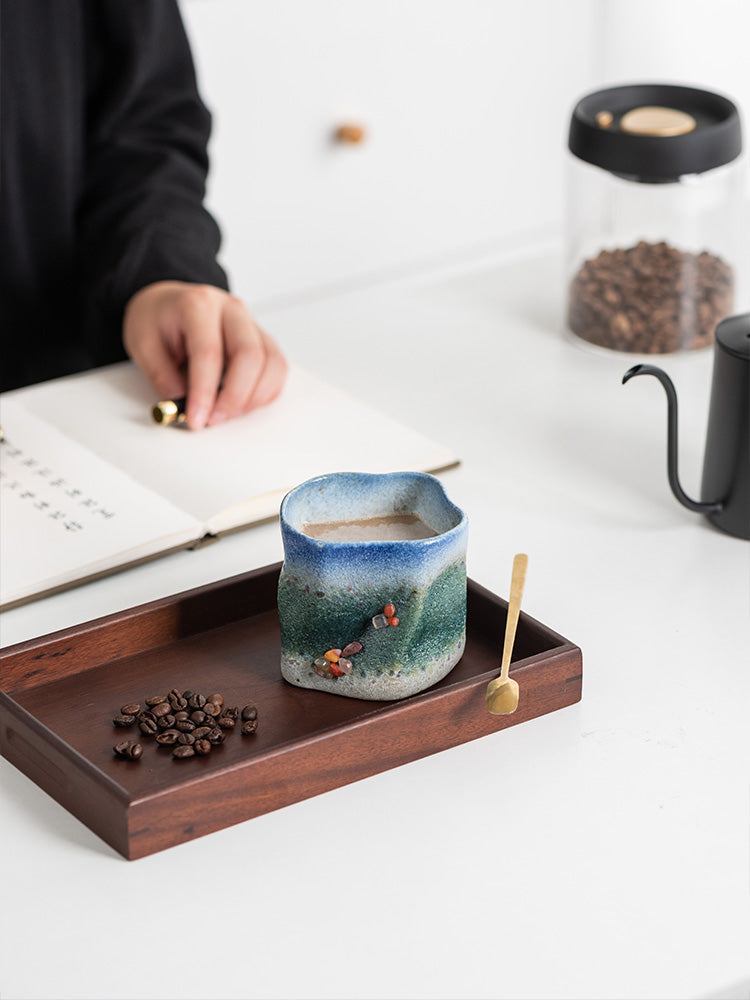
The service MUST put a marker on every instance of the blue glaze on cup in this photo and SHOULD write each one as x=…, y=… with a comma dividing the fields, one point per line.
x=330, y=591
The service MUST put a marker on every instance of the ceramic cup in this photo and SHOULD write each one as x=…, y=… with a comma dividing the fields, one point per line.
x=371, y=617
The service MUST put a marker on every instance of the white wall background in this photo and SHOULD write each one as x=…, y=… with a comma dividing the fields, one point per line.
x=698, y=42
x=466, y=106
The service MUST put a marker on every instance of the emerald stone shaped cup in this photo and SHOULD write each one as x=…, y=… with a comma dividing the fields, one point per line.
x=372, y=593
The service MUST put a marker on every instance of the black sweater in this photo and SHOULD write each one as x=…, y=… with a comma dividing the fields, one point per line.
x=103, y=157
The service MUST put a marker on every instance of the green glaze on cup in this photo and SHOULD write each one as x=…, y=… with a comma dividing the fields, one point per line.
x=330, y=591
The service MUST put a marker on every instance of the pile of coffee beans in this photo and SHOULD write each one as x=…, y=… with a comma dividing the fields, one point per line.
x=650, y=299
x=188, y=722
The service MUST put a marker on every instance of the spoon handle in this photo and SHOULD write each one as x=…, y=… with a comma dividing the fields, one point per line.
x=517, y=580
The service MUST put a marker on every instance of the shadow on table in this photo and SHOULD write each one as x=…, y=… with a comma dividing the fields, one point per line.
x=45, y=812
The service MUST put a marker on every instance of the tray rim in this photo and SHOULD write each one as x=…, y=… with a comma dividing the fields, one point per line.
x=150, y=607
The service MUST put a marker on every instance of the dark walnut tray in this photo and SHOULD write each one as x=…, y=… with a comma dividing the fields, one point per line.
x=58, y=694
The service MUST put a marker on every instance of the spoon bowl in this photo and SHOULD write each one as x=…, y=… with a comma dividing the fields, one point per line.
x=503, y=698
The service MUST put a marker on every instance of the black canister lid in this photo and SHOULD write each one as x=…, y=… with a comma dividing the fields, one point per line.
x=655, y=132
x=733, y=336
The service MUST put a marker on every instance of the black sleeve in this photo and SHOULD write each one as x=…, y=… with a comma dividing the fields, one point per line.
x=141, y=218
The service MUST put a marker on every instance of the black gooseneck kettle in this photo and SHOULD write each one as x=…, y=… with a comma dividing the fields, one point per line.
x=725, y=490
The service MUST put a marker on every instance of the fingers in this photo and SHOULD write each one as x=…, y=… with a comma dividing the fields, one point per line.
x=156, y=358
x=256, y=369
x=273, y=376
x=200, y=323
x=232, y=365
x=245, y=361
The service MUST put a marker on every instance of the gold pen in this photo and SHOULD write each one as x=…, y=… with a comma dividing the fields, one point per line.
x=170, y=411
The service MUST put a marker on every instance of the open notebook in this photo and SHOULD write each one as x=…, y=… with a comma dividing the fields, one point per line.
x=90, y=484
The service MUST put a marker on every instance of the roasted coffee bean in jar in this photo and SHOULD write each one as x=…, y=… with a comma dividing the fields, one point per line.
x=653, y=195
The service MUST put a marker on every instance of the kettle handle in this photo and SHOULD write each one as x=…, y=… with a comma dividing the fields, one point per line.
x=674, y=482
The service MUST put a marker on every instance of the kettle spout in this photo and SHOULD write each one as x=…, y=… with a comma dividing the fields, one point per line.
x=674, y=482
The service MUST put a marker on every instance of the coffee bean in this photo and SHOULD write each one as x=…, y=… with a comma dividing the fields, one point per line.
x=216, y=699
x=202, y=747
x=155, y=699
x=131, y=709
x=181, y=716
x=198, y=717
x=168, y=737
x=249, y=727
x=163, y=708
x=183, y=751
x=148, y=727
x=129, y=750
x=165, y=722
x=201, y=732
x=231, y=713
x=196, y=701
x=123, y=721
x=186, y=739
x=226, y=722
x=185, y=726
x=147, y=714
x=216, y=736
x=177, y=702
x=187, y=695
x=249, y=712
x=211, y=709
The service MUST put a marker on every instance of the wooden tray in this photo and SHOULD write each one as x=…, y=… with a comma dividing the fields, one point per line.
x=58, y=694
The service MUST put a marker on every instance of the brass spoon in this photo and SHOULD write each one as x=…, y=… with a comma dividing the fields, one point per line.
x=502, y=692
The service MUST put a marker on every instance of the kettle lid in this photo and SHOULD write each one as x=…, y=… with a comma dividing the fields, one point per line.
x=733, y=336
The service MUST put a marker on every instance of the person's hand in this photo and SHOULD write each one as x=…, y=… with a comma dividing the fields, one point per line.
x=201, y=342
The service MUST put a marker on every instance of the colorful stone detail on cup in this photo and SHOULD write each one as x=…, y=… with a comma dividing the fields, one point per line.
x=388, y=617
x=336, y=662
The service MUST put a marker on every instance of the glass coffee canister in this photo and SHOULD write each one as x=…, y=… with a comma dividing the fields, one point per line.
x=654, y=187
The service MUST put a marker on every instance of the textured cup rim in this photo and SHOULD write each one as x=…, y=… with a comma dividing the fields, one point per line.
x=375, y=543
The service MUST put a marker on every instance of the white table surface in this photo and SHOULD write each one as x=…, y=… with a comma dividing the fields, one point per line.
x=600, y=851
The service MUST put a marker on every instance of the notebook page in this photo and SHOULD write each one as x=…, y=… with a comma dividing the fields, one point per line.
x=66, y=513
